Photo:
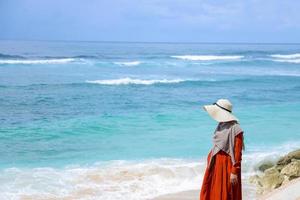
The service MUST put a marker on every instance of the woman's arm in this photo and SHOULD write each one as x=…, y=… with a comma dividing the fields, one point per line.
x=238, y=145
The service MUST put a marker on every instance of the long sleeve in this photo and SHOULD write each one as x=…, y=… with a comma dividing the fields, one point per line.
x=238, y=145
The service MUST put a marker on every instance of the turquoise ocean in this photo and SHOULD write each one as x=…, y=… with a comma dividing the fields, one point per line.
x=108, y=120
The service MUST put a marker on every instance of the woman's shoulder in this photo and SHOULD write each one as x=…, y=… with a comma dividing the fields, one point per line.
x=236, y=128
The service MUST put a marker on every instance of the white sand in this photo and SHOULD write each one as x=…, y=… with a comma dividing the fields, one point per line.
x=289, y=191
x=187, y=195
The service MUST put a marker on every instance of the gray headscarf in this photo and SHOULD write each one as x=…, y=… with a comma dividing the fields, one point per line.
x=224, y=138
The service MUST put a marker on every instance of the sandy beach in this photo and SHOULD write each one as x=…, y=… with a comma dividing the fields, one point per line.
x=186, y=195
x=289, y=191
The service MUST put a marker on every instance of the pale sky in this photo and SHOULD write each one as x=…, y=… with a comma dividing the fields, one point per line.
x=152, y=20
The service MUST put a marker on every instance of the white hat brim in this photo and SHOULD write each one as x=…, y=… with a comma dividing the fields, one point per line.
x=219, y=114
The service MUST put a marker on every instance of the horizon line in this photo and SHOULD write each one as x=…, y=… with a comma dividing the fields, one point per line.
x=153, y=42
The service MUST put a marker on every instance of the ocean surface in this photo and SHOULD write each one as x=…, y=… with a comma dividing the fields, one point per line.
x=92, y=120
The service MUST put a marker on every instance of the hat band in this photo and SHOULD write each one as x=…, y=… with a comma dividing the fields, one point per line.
x=222, y=107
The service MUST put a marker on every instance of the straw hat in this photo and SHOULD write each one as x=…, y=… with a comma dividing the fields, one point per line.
x=221, y=111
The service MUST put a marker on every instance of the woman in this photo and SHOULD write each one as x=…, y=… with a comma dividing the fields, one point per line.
x=222, y=178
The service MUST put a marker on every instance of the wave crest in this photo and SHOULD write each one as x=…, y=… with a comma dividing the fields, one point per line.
x=208, y=57
x=289, y=58
x=286, y=56
x=288, y=61
x=129, y=63
x=38, y=61
x=126, y=81
x=7, y=56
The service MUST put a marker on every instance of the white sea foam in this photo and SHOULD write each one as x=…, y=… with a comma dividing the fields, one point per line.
x=134, y=180
x=208, y=57
x=289, y=58
x=38, y=61
x=126, y=81
x=286, y=56
x=129, y=63
x=118, y=180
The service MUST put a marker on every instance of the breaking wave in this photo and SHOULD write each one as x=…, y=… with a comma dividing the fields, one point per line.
x=37, y=61
x=121, y=179
x=114, y=180
x=129, y=63
x=289, y=58
x=208, y=57
x=126, y=81
x=286, y=56
x=288, y=61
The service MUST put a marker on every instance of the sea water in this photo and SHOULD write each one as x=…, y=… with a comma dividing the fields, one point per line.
x=92, y=120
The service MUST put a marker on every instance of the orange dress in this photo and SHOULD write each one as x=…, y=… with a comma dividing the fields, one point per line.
x=216, y=182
